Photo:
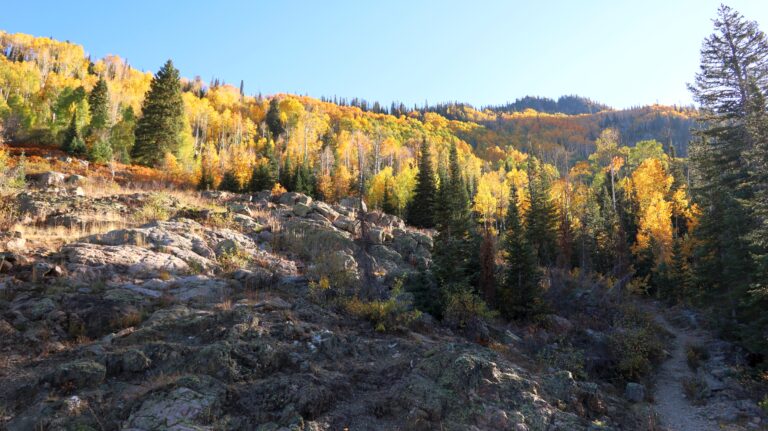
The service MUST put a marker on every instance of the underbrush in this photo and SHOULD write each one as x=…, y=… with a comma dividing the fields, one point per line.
x=386, y=315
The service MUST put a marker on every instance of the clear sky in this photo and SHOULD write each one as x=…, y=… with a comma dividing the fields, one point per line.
x=483, y=52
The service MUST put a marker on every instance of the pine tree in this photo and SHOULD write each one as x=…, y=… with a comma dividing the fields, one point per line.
x=520, y=295
x=541, y=218
x=262, y=178
x=73, y=142
x=389, y=205
x=734, y=73
x=274, y=120
x=229, y=182
x=287, y=175
x=451, y=252
x=421, y=209
x=158, y=131
x=98, y=102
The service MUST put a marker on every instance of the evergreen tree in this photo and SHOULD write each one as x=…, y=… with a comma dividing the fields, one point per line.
x=274, y=120
x=262, y=178
x=73, y=142
x=98, y=102
x=101, y=152
x=287, y=176
x=541, y=218
x=389, y=205
x=229, y=182
x=158, y=131
x=456, y=251
x=421, y=209
x=520, y=295
x=734, y=74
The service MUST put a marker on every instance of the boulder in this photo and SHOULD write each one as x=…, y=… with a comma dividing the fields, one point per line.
x=76, y=180
x=353, y=203
x=325, y=210
x=79, y=374
x=47, y=179
x=378, y=236
x=301, y=209
x=180, y=409
x=130, y=259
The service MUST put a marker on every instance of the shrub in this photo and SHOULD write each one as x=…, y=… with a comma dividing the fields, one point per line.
x=9, y=212
x=156, y=207
x=101, y=152
x=564, y=356
x=234, y=259
x=389, y=315
x=695, y=354
x=635, y=351
x=463, y=308
x=696, y=390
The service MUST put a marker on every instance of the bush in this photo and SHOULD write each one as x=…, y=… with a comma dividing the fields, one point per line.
x=389, y=315
x=234, y=259
x=463, y=309
x=156, y=207
x=696, y=390
x=101, y=152
x=695, y=354
x=635, y=351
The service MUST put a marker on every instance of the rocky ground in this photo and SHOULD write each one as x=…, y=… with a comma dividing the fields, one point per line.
x=197, y=312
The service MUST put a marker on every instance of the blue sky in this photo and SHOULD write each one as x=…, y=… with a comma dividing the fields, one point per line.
x=483, y=52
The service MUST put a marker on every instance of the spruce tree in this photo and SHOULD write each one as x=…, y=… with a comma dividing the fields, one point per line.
x=262, y=178
x=520, y=295
x=388, y=204
x=158, y=131
x=454, y=248
x=98, y=102
x=274, y=120
x=733, y=76
x=541, y=218
x=229, y=183
x=73, y=142
x=421, y=209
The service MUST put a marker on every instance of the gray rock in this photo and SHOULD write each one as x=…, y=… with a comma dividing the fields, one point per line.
x=129, y=259
x=80, y=374
x=301, y=209
x=182, y=409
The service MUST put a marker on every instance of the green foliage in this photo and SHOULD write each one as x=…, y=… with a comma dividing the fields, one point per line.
x=541, y=218
x=101, y=152
x=158, y=131
x=421, y=210
x=453, y=250
x=262, y=178
x=464, y=309
x=73, y=142
x=634, y=345
x=98, y=101
x=562, y=355
x=520, y=296
x=229, y=183
x=388, y=315
x=122, y=136
x=155, y=207
x=274, y=120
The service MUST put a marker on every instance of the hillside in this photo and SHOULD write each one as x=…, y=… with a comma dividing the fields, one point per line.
x=176, y=255
x=124, y=309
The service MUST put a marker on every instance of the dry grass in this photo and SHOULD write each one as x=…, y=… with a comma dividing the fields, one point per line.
x=53, y=237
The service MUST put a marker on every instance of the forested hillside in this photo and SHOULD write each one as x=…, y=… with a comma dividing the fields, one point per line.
x=608, y=190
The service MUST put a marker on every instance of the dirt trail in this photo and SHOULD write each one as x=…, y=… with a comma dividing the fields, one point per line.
x=675, y=411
